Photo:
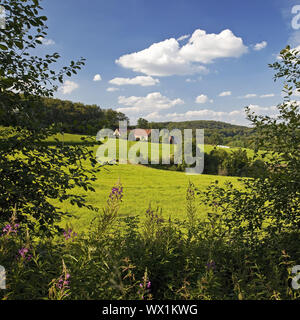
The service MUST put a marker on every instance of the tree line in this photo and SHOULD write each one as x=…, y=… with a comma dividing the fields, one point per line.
x=216, y=132
x=74, y=117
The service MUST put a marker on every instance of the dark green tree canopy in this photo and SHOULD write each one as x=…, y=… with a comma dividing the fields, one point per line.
x=142, y=123
x=32, y=173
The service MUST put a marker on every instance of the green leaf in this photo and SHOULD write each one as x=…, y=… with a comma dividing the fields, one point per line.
x=3, y=47
x=19, y=45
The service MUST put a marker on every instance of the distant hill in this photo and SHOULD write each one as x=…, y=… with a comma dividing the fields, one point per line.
x=216, y=132
x=197, y=124
x=79, y=118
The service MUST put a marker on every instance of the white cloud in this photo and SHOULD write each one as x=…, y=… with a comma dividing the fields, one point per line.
x=294, y=38
x=261, y=45
x=160, y=59
x=143, y=81
x=235, y=116
x=225, y=94
x=46, y=42
x=190, y=80
x=154, y=116
x=193, y=80
x=183, y=37
x=254, y=95
x=296, y=93
x=202, y=99
x=249, y=95
x=97, y=77
x=68, y=87
x=205, y=48
x=270, y=95
x=167, y=57
x=152, y=102
x=112, y=89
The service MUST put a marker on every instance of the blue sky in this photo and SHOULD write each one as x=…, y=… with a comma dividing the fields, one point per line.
x=172, y=60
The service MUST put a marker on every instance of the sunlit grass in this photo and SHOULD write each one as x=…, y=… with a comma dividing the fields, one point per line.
x=142, y=186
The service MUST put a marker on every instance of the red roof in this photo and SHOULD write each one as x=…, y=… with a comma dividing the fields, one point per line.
x=142, y=132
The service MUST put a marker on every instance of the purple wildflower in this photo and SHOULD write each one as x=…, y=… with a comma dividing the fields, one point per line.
x=149, y=285
x=10, y=229
x=23, y=252
x=211, y=265
x=63, y=282
x=70, y=234
x=116, y=193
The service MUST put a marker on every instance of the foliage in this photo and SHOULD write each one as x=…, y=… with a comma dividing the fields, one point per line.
x=269, y=204
x=216, y=132
x=142, y=123
x=33, y=173
x=166, y=259
x=237, y=163
x=79, y=118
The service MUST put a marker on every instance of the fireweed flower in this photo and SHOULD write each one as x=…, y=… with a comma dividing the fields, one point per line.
x=63, y=282
x=24, y=254
x=9, y=228
x=211, y=265
x=116, y=193
x=68, y=234
x=144, y=289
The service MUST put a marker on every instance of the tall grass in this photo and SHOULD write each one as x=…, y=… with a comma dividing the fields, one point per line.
x=191, y=258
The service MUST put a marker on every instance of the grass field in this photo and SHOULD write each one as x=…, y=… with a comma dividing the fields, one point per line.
x=142, y=186
x=76, y=138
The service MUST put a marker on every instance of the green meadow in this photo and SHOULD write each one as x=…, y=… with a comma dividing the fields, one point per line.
x=77, y=138
x=143, y=186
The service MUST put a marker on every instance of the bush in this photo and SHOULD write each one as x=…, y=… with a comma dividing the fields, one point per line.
x=122, y=258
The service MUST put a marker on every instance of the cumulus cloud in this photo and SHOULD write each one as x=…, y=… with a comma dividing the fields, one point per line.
x=235, y=116
x=154, y=101
x=143, y=81
x=168, y=57
x=160, y=59
x=203, y=99
x=97, y=77
x=112, y=89
x=261, y=45
x=225, y=94
x=205, y=48
x=68, y=87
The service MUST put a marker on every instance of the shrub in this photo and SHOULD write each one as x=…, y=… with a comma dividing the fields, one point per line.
x=123, y=258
